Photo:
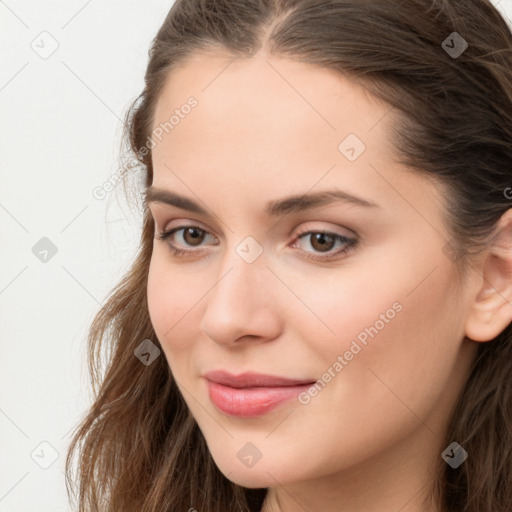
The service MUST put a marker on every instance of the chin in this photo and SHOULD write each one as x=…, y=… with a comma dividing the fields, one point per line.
x=252, y=478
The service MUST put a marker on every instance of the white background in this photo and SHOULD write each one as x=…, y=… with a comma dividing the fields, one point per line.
x=60, y=132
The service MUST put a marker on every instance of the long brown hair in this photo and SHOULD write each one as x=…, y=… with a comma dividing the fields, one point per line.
x=139, y=447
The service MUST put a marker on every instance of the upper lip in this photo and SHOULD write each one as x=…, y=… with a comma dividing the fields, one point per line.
x=249, y=379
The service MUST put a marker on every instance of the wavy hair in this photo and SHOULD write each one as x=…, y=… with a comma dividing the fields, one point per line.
x=138, y=446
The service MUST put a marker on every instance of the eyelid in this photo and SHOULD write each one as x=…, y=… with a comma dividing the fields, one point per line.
x=179, y=223
x=305, y=228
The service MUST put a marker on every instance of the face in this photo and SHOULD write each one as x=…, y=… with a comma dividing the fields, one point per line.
x=355, y=299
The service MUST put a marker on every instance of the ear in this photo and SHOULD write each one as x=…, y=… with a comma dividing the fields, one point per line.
x=491, y=308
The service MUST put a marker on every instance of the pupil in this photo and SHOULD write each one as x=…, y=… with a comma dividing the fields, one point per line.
x=194, y=234
x=320, y=239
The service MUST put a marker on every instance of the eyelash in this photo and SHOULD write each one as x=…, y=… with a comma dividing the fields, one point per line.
x=351, y=243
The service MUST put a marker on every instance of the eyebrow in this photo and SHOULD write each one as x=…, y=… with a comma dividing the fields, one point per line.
x=295, y=203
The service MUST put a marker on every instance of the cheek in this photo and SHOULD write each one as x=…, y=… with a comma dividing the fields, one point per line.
x=170, y=301
x=398, y=343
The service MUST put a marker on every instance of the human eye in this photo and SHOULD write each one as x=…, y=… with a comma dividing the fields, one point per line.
x=193, y=235
x=324, y=241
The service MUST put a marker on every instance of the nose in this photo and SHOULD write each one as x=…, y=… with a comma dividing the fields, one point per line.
x=242, y=303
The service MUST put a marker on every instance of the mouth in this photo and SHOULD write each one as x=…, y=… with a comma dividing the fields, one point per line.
x=252, y=394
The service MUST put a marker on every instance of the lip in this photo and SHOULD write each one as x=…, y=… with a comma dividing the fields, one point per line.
x=251, y=394
x=252, y=379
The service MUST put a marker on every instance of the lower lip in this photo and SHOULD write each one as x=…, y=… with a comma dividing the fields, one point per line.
x=250, y=402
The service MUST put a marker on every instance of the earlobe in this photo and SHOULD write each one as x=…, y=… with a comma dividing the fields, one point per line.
x=491, y=308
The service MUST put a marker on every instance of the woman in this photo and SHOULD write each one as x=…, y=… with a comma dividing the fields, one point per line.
x=319, y=314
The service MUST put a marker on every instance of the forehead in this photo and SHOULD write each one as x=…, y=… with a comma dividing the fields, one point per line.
x=275, y=124
x=264, y=94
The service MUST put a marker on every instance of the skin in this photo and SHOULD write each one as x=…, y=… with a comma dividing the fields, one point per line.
x=265, y=128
